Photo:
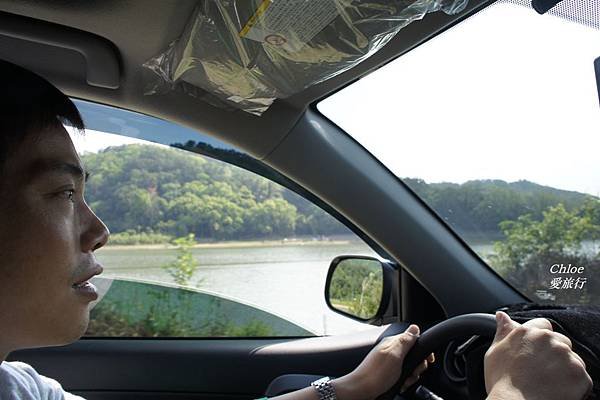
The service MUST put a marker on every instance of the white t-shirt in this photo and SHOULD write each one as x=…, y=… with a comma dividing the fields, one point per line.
x=19, y=381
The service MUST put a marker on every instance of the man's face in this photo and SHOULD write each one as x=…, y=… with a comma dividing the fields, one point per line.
x=47, y=238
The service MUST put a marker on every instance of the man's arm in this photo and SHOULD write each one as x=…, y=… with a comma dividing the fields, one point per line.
x=377, y=373
x=524, y=362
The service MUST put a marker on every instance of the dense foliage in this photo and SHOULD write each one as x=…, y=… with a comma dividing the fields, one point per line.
x=185, y=265
x=476, y=208
x=148, y=194
x=356, y=287
x=142, y=190
x=562, y=237
x=110, y=319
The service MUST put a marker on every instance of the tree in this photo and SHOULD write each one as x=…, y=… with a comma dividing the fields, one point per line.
x=148, y=188
x=532, y=247
x=184, y=267
x=272, y=217
x=357, y=287
x=590, y=211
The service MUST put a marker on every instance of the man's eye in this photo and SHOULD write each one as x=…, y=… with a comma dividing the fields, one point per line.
x=69, y=194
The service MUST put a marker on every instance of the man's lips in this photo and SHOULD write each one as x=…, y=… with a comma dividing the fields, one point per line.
x=96, y=270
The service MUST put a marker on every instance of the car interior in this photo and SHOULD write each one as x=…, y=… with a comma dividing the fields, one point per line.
x=98, y=52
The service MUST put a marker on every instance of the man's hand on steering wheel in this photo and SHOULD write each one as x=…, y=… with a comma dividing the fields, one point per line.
x=532, y=362
x=524, y=362
x=381, y=369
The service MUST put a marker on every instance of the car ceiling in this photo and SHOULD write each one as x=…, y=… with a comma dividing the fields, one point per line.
x=141, y=29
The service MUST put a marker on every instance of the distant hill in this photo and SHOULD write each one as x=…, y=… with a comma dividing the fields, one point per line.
x=156, y=190
x=167, y=191
x=478, y=206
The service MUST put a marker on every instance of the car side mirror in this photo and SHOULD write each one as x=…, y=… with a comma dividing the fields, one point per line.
x=361, y=288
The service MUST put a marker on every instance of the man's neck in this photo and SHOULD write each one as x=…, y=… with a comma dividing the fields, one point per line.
x=3, y=354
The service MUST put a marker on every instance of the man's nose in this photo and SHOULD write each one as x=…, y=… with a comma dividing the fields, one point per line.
x=95, y=234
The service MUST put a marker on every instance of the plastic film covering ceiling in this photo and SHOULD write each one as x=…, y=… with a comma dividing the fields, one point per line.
x=244, y=54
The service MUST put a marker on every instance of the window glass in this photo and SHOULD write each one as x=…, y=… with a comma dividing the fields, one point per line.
x=200, y=247
x=494, y=123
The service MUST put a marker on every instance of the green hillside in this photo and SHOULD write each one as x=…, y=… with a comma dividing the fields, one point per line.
x=168, y=191
x=163, y=191
x=479, y=206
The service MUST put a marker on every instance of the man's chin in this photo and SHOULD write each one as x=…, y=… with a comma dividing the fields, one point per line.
x=56, y=338
x=81, y=328
x=70, y=332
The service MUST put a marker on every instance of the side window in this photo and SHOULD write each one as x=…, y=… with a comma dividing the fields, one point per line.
x=203, y=248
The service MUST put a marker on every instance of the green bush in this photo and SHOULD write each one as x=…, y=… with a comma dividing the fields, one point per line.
x=132, y=237
x=107, y=321
x=356, y=287
x=532, y=246
x=184, y=266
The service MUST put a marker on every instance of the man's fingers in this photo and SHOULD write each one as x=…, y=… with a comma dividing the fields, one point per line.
x=431, y=358
x=411, y=380
x=420, y=368
x=399, y=345
x=563, y=339
x=409, y=334
x=578, y=358
x=418, y=371
x=541, y=323
x=408, y=340
x=415, y=376
x=504, y=325
x=413, y=330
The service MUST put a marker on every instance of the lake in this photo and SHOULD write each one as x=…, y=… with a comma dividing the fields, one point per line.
x=286, y=279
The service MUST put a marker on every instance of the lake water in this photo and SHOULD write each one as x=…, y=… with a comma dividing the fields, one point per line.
x=287, y=279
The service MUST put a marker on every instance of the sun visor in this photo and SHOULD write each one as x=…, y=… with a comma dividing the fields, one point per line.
x=244, y=54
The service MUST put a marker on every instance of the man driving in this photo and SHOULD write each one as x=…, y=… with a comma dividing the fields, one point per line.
x=48, y=236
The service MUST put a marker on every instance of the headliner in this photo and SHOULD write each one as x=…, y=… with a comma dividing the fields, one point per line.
x=141, y=29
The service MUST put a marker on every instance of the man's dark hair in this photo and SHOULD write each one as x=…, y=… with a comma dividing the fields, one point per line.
x=29, y=104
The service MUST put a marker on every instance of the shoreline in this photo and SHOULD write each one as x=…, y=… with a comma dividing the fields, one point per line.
x=234, y=244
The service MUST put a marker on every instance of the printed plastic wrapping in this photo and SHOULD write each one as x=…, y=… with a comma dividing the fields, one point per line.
x=247, y=53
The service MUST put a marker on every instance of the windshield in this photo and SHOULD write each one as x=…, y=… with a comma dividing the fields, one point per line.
x=494, y=124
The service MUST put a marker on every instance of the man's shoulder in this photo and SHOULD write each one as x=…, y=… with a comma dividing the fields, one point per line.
x=17, y=367
x=19, y=380
x=17, y=373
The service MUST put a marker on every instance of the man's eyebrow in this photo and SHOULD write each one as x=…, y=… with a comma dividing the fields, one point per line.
x=41, y=167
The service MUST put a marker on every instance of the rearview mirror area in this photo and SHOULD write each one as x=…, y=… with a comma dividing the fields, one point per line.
x=358, y=287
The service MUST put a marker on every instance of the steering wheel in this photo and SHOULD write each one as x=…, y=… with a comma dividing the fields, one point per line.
x=438, y=335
